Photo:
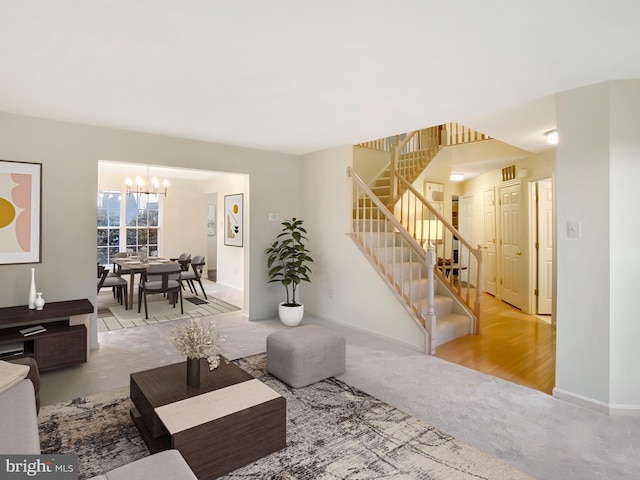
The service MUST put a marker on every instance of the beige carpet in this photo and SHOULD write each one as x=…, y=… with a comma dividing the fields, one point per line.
x=160, y=310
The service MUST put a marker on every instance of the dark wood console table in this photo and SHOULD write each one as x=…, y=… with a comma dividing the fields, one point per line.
x=65, y=341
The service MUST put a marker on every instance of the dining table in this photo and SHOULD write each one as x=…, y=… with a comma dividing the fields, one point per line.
x=133, y=265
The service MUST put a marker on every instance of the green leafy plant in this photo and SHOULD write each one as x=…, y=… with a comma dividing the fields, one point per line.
x=288, y=258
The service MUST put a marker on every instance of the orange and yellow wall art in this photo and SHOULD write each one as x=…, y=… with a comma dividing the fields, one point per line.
x=19, y=212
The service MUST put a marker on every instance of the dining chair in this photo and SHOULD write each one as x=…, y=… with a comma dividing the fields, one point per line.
x=162, y=278
x=118, y=271
x=102, y=274
x=119, y=285
x=184, y=260
x=195, y=274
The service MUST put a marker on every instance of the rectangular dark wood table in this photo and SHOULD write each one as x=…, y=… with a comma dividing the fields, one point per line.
x=229, y=421
x=133, y=265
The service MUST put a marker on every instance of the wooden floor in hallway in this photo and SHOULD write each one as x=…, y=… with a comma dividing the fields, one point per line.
x=512, y=345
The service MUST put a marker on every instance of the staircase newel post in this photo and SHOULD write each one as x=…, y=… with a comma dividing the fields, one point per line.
x=479, y=289
x=392, y=176
x=430, y=348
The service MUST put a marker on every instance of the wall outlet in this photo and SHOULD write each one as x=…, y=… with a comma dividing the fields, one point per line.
x=330, y=293
x=273, y=217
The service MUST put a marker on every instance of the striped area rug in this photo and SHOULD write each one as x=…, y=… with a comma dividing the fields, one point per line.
x=160, y=310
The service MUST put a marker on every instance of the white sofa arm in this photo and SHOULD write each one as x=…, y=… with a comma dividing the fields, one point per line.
x=19, y=420
x=167, y=465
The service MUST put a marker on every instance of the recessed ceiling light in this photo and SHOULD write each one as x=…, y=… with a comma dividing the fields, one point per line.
x=456, y=177
x=552, y=137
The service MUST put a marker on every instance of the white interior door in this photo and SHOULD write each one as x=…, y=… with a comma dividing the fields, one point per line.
x=511, y=245
x=466, y=229
x=545, y=247
x=490, y=260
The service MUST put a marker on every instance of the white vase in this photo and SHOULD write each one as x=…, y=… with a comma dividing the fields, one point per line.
x=290, y=316
x=32, y=290
x=39, y=301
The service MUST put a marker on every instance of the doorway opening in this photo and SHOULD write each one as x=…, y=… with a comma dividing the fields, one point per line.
x=189, y=220
x=542, y=243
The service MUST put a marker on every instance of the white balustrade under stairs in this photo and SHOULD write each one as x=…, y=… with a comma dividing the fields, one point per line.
x=409, y=273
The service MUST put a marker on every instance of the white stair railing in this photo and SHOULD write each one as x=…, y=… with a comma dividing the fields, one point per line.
x=397, y=257
x=411, y=156
x=460, y=269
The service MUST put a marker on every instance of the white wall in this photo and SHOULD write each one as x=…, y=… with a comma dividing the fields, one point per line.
x=70, y=153
x=583, y=283
x=368, y=163
x=625, y=257
x=597, y=302
x=360, y=297
x=230, y=260
x=184, y=219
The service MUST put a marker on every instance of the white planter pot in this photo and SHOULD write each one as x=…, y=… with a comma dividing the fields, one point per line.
x=290, y=316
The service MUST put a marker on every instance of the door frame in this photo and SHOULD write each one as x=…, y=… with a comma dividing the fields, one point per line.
x=533, y=255
x=485, y=257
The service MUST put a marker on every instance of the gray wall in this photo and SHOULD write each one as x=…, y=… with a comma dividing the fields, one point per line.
x=597, y=169
x=69, y=154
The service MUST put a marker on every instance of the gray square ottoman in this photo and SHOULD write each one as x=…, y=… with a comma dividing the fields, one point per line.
x=304, y=355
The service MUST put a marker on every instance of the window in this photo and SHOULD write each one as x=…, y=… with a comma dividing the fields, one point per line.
x=108, y=225
x=128, y=225
x=142, y=222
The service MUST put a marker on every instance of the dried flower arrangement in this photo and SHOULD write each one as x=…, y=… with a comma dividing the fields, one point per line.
x=196, y=339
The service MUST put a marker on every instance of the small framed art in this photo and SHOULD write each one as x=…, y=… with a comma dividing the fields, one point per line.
x=233, y=230
x=211, y=220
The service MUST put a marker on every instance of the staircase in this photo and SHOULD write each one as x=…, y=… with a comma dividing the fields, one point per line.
x=410, y=244
x=409, y=158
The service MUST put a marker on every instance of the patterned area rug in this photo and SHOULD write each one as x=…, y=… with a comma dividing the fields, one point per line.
x=334, y=431
x=160, y=310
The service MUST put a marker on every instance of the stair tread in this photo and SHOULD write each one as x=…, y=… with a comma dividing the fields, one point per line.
x=451, y=318
x=451, y=326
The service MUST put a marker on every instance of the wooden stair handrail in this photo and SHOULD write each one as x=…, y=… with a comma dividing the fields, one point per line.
x=402, y=231
x=435, y=213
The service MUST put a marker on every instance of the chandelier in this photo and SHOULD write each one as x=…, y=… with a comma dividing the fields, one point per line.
x=148, y=187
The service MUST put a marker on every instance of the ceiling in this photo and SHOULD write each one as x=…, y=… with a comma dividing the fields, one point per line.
x=296, y=77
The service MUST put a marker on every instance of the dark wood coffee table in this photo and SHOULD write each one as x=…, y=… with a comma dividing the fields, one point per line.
x=227, y=422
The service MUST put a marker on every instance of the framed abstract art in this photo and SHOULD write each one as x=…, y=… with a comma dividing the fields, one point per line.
x=20, y=212
x=233, y=230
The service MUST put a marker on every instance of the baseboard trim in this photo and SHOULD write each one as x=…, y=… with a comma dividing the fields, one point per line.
x=417, y=348
x=597, y=405
x=581, y=400
x=624, y=410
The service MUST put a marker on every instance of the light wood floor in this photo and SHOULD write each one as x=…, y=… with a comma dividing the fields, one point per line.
x=512, y=345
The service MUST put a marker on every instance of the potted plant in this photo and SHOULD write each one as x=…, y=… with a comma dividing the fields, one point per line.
x=287, y=262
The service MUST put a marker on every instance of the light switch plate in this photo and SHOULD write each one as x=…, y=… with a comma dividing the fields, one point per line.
x=273, y=217
x=573, y=230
